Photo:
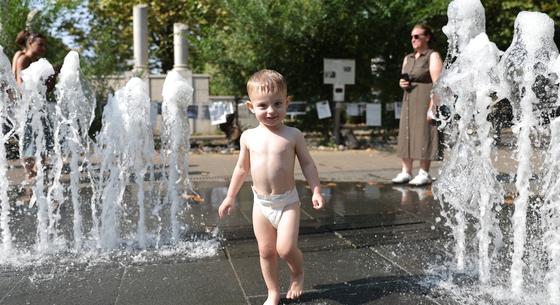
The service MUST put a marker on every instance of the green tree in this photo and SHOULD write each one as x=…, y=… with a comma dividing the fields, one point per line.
x=500, y=17
x=107, y=39
x=294, y=37
x=15, y=16
x=231, y=39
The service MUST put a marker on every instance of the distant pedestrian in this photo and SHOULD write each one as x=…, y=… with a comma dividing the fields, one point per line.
x=269, y=152
x=36, y=47
x=418, y=136
x=21, y=41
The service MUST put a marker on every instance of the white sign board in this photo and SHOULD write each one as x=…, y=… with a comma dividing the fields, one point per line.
x=338, y=93
x=218, y=113
x=353, y=109
x=297, y=108
x=373, y=115
x=323, y=110
x=339, y=71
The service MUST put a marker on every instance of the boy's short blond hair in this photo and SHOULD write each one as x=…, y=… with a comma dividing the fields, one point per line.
x=267, y=81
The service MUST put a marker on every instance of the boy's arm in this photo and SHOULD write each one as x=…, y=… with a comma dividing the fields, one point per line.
x=237, y=178
x=309, y=170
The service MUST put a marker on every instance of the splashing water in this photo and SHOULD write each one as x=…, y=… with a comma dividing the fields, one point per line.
x=551, y=212
x=470, y=157
x=528, y=57
x=177, y=95
x=74, y=113
x=126, y=146
x=33, y=144
x=526, y=75
x=110, y=183
x=8, y=93
x=466, y=21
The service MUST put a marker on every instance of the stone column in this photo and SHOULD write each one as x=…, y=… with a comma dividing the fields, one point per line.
x=181, y=50
x=180, y=60
x=140, y=32
x=180, y=46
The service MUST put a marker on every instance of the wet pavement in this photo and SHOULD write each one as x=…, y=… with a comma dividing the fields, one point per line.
x=371, y=245
x=374, y=243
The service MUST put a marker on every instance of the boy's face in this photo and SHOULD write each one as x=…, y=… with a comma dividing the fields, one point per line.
x=269, y=108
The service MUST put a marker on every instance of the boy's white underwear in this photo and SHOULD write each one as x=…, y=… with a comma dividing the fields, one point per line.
x=272, y=206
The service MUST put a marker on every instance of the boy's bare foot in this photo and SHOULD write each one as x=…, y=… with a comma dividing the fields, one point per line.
x=273, y=298
x=296, y=288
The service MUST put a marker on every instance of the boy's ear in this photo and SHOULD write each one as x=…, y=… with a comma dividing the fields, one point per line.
x=249, y=105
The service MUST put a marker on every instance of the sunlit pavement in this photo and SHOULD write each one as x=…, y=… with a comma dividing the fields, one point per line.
x=374, y=243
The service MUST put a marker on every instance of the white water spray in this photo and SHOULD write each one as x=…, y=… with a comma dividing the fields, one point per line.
x=550, y=212
x=74, y=113
x=529, y=55
x=474, y=79
x=115, y=175
x=33, y=142
x=467, y=94
x=9, y=98
x=177, y=95
x=126, y=149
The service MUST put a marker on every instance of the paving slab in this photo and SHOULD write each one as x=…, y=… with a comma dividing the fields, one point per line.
x=321, y=268
x=96, y=285
x=389, y=218
x=361, y=292
x=307, y=243
x=391, y=234
x=207, y=282
x=416, y=257
x=8, y=282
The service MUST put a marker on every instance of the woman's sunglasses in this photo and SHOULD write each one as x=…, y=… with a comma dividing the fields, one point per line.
x=417, y=36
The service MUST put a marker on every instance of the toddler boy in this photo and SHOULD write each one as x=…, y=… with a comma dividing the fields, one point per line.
x=269, y=151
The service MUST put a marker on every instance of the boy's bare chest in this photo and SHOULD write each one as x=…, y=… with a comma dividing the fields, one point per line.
x=272, y=147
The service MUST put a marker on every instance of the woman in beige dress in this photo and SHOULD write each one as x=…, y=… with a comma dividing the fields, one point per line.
x=418, y=137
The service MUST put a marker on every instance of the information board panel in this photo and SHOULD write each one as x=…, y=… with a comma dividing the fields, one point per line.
x=339, y=71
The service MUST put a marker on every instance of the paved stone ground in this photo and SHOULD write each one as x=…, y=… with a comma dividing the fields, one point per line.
x=373, y=244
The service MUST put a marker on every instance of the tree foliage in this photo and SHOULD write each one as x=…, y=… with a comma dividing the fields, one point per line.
x=109, y=31
x=294, y=37
x=500, y=17
x=13, y=16
x=231, y=39
x=36, y=17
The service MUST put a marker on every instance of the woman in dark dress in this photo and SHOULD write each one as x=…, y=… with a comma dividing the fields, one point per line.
x=418, y=137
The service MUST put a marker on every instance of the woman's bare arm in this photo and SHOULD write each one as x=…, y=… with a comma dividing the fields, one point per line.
x=436, y=66
x=22, y=63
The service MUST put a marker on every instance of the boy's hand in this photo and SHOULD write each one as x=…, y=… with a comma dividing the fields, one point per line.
x=318, y=201
x=226, y=207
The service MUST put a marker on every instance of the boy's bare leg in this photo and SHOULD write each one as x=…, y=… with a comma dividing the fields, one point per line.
x=287, y=247
x=266, y=239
